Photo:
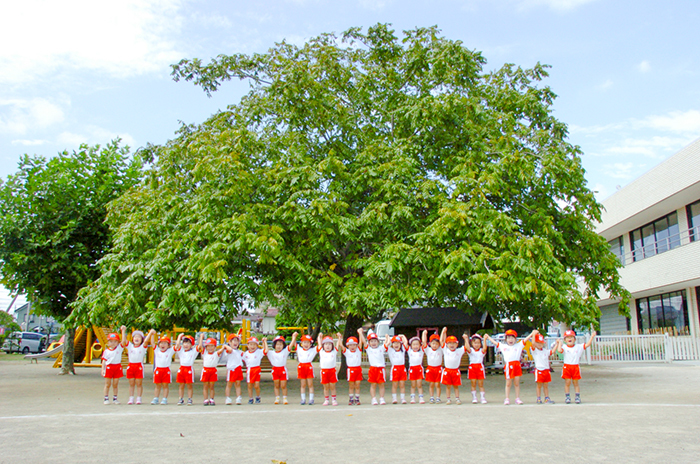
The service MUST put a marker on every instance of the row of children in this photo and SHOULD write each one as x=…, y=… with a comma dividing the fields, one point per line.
x=436, y=349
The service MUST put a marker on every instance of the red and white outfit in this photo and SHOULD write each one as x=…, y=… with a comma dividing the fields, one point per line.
x=572, y=356
x=252, y=363
x=434, y=371
x=327, y=360
x=278, y=360
x=377, y=363
x=185, y=373
x=476, y=364
x=541, y=358
x=511, y=358
x=415, y=364
x=451, y=374
x=136, y=356
x=305, y=370
x=397, y=358
x=234, y=371
x=210, y=373
x=161, y=365
x=353, y=360
x=113, y=362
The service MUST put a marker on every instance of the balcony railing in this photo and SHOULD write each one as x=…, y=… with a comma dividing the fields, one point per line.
x=680, y=239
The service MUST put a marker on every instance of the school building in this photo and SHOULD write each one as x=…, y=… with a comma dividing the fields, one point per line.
x=653, y=227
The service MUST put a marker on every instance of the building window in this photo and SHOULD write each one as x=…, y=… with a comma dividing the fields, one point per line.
x=663, y=313
x=618, y=248
x=656, y=237
x=693, y=211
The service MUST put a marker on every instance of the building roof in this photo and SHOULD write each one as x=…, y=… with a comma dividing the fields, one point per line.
x=450, y=316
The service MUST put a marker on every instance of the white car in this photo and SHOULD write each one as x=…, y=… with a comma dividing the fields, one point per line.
x=24, y=342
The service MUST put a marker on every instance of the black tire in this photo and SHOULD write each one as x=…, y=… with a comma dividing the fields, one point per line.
x=25, y=350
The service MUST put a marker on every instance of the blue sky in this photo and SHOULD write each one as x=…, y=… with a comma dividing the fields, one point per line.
x=74, y=71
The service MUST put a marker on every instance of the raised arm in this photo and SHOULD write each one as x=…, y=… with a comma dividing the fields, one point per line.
x=361, y=334
x=293, y=343
x=555, y=348
x=178, y=342
x=424, y=339
x=148, y=338
x=467, y=347
x=443, y=336
x=404, y=340
x=590, y=340
x=532, y=334
x=318, y=339
x=124, y=340
x=199, y=342
x=339, y=342
x=561, y=345
x=264, y=344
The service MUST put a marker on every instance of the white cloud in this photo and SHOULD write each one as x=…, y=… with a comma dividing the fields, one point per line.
x=601, y=191
x=92, y=135
x=675, y=121
x=620, y=170
x=121, y=38
x=28, y=143
x=605, y=85
x=644, y=66
x=561, y=5
x=374, y=5
x=18, y=116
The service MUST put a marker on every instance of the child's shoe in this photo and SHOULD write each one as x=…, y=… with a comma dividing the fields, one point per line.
x=381, y=401
x=116, y=401
x=506, y=402
x=257, y=400
x=474, y=400
x=374, y=402
x=547, y=400
x=239, y=400
x=211, y=402
x=403, y=401
x=483, y=400
x=394, y=401
x=567, y=400
x=351, y=401
x=449, y=401
x=303, y=402
x=138, y=400
x=438, y=400
x=164, y=401
x=357, y=401
x=189, y=402
x=106, y=401
x=421, y=400
x=539, y=400
x=206, y=402
x=155, y=401
x=131, y=400
x=284, y=400
x=326, y=403
x=311, y=402
x=181, y=402
x=334, y=402
x=277, y=400
x=250, y=401
x=432, y=400
x=577, y=400
x=518, y=401
x=413, y=399
x=458, y=401
x=228, y=400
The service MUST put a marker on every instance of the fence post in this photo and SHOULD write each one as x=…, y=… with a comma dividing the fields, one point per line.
x=668, y=347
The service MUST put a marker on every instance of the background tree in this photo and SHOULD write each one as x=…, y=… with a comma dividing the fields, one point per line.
x=362, y=173
x=52, y=231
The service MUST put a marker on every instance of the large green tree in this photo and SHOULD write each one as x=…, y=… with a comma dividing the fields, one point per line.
x=52, y=225
x=361, y=173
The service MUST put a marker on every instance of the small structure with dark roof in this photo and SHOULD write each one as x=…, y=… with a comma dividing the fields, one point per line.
x=412, y=321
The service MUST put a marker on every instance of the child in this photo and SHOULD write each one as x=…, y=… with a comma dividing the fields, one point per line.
x=542, y=374
x=137, y=349
x=162, y=358
x=433, y=373
x=327, y=356
x=451, y=376
x=353, y=358
x=252, y=358
x=377, y=364
x=187, y=353
x=112, y=366
x=234, y=372
x=572, y=355
x=415, y=369
x=210, y=372
x=305, y=371
x=278, y=360
x=397, y=358
x=477, y=374
x=511, y=360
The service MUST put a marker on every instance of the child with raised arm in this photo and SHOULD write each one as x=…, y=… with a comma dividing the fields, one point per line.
x=397, y=358
x=162, y=359
x=327, y=357
x=252, y=357
x=512, y=350
x=542, y=374
x=433, y=352
x=210, y=372
x=234, y=371
x=278, y=359
x=415, y=369
x=572, y=356
x=186, y=353
x=353, y=359
x=305, y=370
x=137, y=349
x=377, y=364
x=477, y=374
x=451, y=376
x=112, y=366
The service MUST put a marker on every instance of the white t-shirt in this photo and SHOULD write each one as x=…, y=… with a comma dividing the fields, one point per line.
x=278, y=359
x=397, y=357
x=573, y=355
x=511, y=352
x=353, y=358
x=453, y=358
x=376, y=356
x=136, y=353
x=233, y=360
x=187, y=357
x=252, y=359
x=415, y=358
x=210, y=359
x=306, y=356
x=113, y=356
x=434, y=356
x=541, y=358
x=476, y=356
x=327, y=358
x=162, y=358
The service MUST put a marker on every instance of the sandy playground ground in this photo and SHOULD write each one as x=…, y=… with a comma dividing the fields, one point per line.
x=630, y=413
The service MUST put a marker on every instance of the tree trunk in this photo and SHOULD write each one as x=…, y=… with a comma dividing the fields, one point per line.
x=316, y=331
x=68, y=352
x=352, y=323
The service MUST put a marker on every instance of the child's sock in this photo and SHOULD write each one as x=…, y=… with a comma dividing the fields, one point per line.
x=311, y=396
x=303, y=397
x=578, y=395
x=106, y=397
x=115, y=397
x=403, y=397
x=413, y=396
x=393, y=396
x=568, y=395
x=474, y=394
x=483, y=395
x=334, y=398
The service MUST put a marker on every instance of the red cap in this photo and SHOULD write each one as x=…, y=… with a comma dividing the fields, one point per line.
x=164, y=338
x=372, y=336
x=278, y=338
x=254, y=340
x=232, y=336
x=351, y=340
x=451, y=339
x=306, y=338
x=210, y=341
x=326, y=340
x=511, y=333
x=189, y=338
x=434, y=337
x=114, y=336
x=569, y=333
x=477, y=336
x=539, y=338
x=395, y=338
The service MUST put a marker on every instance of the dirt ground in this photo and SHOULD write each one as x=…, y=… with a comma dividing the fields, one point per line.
x=630, y=413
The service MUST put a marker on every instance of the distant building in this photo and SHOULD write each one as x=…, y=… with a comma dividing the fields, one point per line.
x=412, y=321
x=653, y=227
x=30, y=322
